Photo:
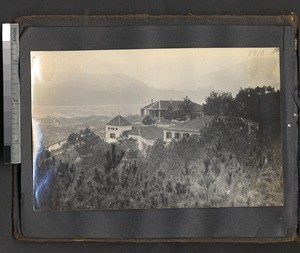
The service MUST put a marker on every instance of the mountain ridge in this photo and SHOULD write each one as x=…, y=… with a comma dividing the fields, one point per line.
x=109, y=89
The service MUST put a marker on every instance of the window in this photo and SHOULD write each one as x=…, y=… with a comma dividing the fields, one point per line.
x=108, y=127
x=168, y=135
x=112, y=128
x=116, y=128
x=177, y=136
x=112, y=136
x=186, y=135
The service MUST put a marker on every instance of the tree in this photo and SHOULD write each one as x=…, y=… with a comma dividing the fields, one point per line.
x=155, y=155
x=262, y=105
x=43, y=184
x=85, y=142
x=148, y=120
x=249, y=101
x=231, y=135
x=186, y=110
x=169, y=114
x=220, y=104
x=130, y=146
x=113, y=156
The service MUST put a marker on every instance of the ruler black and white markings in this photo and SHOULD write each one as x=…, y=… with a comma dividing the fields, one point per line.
x=11, y=93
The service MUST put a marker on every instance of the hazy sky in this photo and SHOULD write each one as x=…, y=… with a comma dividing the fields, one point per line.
x=165, y=68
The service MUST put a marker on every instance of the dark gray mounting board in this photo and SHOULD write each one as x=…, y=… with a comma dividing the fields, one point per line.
x=12, y=9
x=179, y=224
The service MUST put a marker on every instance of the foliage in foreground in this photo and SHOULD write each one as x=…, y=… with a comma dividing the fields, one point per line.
x=224, y=166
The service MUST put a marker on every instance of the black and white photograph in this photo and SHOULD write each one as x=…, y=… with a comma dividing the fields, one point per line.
x=156, y=129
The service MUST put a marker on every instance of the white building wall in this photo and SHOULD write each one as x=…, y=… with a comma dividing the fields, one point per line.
x=112, y=133
x=178, y=132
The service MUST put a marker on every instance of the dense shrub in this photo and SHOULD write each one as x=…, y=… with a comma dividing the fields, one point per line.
x=147, y=120
x=218, y=168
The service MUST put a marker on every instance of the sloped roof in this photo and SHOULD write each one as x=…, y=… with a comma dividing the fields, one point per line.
x=164, y=104
x=197, y=124
x=149, y=106
x=194, y=125
x=147, y=132
x=118, y=121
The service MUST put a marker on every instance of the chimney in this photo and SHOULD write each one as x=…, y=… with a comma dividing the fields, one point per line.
x=151, y=100
x=171, y=101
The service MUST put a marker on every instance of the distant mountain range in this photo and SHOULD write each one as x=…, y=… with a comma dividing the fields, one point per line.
x=107, y=89
x=119, y=89
x=248, y=73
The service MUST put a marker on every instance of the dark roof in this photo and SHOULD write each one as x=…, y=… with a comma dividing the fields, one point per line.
x=194, y=125
x=118, y=121
x=147, y=132
x=164, y=104
x=197, y=124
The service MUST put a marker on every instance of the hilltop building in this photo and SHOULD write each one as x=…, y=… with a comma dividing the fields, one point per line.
x=115, y=128
x=193, y=127
x=186, y=128
x=145, y=135
x=158, y=108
